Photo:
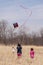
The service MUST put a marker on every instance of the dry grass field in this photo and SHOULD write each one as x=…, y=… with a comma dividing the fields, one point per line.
x=8, y=58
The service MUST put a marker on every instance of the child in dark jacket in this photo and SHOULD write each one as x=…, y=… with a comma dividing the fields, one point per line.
x=19, y=50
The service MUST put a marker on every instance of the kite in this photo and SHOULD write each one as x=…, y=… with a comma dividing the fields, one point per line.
x=15, y=25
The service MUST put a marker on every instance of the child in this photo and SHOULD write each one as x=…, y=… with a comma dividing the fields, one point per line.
x=13, y=50
x=32, y=53
x=19, y=50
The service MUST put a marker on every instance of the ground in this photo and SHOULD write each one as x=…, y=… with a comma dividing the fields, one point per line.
x=7, y=57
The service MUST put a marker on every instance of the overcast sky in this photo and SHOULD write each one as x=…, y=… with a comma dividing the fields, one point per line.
x=20, y=10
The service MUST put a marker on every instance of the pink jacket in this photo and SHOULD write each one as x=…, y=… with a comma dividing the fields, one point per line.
x=32, y=54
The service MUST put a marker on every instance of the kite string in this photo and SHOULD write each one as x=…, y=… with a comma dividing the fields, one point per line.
x=28, y=16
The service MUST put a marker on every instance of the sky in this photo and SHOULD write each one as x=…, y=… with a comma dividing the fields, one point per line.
x=27, y=13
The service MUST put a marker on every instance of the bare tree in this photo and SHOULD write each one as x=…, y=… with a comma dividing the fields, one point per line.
x=41, y=33
x=3, y=26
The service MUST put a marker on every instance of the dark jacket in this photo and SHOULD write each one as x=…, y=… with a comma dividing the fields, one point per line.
x=19, y=49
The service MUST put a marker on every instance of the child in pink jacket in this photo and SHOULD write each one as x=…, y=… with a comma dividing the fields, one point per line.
x=32, y=53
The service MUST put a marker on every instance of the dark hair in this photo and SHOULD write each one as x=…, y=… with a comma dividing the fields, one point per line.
x=32, y=49
x=19, y=44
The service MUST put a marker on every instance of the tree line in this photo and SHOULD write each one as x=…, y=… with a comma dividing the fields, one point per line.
x=8, y=36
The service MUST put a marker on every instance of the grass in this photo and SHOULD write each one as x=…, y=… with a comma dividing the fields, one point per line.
x=9, y=58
